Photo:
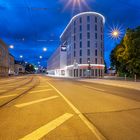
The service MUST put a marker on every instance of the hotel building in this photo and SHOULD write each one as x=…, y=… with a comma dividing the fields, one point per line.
x=81, y=53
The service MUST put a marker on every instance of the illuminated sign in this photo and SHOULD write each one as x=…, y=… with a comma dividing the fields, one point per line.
x=63, y=48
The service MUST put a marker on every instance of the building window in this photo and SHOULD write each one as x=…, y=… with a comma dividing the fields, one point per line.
x=74, y=53
x=80, y=60
x=80, y=72
x=95, y=52
x=101, y=54
x=74, y=45
x=88, y=18
x=80, y=52
x=95, y=27
x=101, y=22
x=80, y=28
x=95, y=19
x=101, y=45
x=96, y=45
x=88, y=60
x=101, y=37
x=88, y=44
x=95, y=35
x=88, y=35
x=88, y=52
x=80, y=44
x=74, y=30
x=74, y=23
x=95, y=60
x=80, y=20
x=80, y=36
x=88, y=27
x=101, y=61
x=101, y=29
x=74, y=37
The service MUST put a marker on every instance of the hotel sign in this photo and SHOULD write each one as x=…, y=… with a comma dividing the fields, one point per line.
x=63, y=48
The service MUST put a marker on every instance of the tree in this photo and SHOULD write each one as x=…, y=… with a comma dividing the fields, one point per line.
x=105, y=68
x=30, y=68
x=125, y=57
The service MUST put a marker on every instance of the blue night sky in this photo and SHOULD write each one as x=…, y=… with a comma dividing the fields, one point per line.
x=31, y=25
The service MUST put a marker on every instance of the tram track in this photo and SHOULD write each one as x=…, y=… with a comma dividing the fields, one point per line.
x=14, y=87
x=34, y=82
x=12, y=80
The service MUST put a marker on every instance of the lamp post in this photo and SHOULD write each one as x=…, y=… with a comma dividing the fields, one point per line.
x=89, y=68
x=11, y=46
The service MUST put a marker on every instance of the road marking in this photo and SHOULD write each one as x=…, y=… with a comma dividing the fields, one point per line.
x=43, y=86
x=7, y=96
x=44, y=130
x=36, y=101
x=21, y=88
x=40, y=90
x=93, y=129
x=93, y=88
x=2, y=90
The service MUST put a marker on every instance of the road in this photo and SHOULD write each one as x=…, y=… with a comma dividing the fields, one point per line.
x=39, y=107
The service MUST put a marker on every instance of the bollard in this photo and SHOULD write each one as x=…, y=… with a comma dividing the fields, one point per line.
x=135, y=78
x=125, y=77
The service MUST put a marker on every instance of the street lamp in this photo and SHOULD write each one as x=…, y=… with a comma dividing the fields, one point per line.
x=40, y=57
x=115, y=34
x=21, y=56
x=11, y=47
x=44, y=49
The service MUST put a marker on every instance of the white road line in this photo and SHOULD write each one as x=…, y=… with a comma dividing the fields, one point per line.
x=93, y=129
x=2, y=90
x=44, y=130
x=45, y=86
x=21, y=88
x=93, y=88
x=7, y=96
x=40, y=90
x=36, y=101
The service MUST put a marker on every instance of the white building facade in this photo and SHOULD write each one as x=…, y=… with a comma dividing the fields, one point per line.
x=84, y=41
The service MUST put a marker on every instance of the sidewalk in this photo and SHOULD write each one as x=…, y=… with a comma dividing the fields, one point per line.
x=118, y=83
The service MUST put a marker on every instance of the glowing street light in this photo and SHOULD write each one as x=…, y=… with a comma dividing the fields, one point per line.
x=11, y=47
x=115, y=33
x=44, y=49
x=40, y=57
x=76, y=3
x=21, y=56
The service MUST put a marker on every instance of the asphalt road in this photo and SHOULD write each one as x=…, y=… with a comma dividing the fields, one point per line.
x=40, y=107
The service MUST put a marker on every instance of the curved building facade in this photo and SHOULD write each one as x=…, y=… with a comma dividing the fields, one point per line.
x=83, y=38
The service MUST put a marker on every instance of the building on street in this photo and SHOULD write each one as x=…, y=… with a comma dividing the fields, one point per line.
x=4, y=59
x=19, y=69
x=81, y=53
x=11, y=65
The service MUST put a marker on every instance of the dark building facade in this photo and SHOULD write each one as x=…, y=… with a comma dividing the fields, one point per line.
x=4, y=59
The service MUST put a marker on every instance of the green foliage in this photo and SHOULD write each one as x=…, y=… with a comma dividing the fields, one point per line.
x=30, y=68
x=125, y=57
x=105, y=68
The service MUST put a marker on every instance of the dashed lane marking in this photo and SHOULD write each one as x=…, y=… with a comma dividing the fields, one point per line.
x=93, y=129
x=40, y=90
x=93, y=88
x=36, y=101
x=7, y=96
x=44, y=130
